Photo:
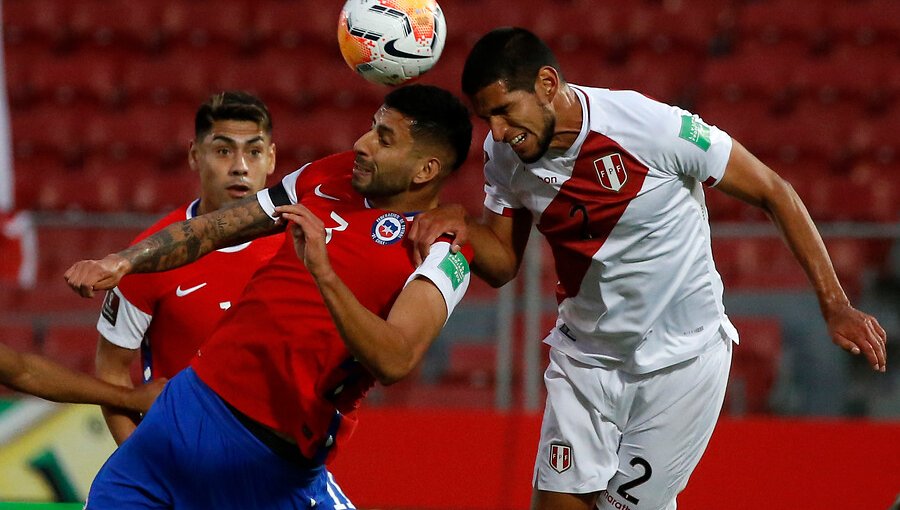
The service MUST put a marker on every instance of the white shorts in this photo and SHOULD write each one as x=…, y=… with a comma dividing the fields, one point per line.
x=637, y=438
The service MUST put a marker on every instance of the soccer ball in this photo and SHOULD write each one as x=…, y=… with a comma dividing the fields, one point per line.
x=391, y=41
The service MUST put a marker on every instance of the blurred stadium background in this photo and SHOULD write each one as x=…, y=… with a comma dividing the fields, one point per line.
x=101, y=96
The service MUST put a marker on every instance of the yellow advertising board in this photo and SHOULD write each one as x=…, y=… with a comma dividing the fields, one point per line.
x=50, y=452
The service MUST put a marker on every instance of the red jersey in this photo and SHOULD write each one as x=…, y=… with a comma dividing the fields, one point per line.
x=277, y=355
x=169, y=314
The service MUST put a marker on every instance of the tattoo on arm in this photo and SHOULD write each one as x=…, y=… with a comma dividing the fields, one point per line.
x=182, y=243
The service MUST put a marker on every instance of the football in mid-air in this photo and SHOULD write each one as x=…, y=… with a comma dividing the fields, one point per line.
x=391, y=41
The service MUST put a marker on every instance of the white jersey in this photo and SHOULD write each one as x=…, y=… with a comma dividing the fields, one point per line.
x=624, y=213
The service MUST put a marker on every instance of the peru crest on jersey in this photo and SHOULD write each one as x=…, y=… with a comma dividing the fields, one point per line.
x=611, y=171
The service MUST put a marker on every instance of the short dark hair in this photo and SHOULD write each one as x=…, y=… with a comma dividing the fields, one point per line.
x=438, y=116
x=231, y=105
x=511, y=54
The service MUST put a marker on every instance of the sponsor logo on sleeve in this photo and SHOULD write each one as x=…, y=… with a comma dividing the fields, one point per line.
x=455, y=267
x=695, y=131
x=110, y=310
x=388, y=228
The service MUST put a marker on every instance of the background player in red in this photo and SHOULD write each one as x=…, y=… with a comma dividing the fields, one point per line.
x=166, y=316
x=273, y=393
x=640, y=354
x=38, y=376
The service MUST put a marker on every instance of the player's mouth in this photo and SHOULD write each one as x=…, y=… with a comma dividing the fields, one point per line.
x=238, y=190
x=359, y=170
x=517, y=140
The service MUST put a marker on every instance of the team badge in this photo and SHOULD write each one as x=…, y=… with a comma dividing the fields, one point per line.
x=388, y=228
x=611, y=171
x=110, y=310
x=560, y=457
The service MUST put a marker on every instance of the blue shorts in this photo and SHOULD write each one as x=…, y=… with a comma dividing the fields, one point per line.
x=191, y=452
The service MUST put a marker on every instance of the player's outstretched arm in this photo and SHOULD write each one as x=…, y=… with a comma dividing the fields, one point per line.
x=499, y=241
x=389, y=349
x=174, y=246
x=38, y=376
x=750, y=180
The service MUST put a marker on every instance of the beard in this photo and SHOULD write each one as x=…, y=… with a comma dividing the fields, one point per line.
x=543, y=139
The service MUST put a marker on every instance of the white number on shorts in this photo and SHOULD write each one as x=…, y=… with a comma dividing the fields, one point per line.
x=625, y=487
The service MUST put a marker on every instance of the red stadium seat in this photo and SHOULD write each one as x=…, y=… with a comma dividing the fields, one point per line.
x=754, y=367
x=17, y=336
x=782, y=21
x=44, y=22
x=118, y=24
x=207, y=23
x=174, y=76
x=274, y=23
x=72, y=346
x=874, y=22
x=84, y=77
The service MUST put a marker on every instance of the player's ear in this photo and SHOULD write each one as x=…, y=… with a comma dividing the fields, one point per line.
x=193, y=155
x=272, y=162
x=429, y=171
x=546, y=85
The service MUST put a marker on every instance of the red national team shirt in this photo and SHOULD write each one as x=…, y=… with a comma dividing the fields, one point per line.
x=277, y=356
x=169, y=314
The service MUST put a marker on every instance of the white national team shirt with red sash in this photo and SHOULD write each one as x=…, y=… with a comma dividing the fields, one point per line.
x=277, y=355
x=624, y=213
x=169, y=314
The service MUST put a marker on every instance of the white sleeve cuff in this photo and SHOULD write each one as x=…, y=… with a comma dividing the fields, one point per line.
x=122, y=323
x=449, y=272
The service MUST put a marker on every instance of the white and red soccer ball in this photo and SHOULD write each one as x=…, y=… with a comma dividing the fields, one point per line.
x=391, y=41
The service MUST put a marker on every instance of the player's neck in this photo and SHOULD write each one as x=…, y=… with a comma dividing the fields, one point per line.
x=405, y=202
x=569, y=117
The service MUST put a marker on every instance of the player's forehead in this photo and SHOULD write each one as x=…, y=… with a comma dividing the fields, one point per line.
x=237, y=132
x=496, y=98
x=389, y=120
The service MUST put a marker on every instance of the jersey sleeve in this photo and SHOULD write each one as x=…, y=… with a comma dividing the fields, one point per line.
x=680, y=142
x=283, y=193
x=498, y=168
x=449, y=272
x=121, y=321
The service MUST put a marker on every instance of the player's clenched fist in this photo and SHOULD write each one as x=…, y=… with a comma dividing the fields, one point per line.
x=86, y=276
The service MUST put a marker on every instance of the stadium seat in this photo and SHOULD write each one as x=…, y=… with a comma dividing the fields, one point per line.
x=71, y=346
x=117, y=25
x=755, y=365
x=89, y=77
x=205, y=23
x=757, y=263
x=777, y=21
x=17, y=336
x=180, y=75
x=38, y=22
x=274, y=23
x=874, y=23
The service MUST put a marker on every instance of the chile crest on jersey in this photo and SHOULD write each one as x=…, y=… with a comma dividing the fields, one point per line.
x=388, y=228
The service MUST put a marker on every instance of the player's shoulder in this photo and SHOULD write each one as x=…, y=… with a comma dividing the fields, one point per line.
x=340, y=162
x=179, y=214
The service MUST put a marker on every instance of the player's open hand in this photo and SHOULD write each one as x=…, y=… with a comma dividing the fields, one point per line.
x=310, y=238
x=142, y=397
x=429, y=225
x=87, y=276
x=859, y=333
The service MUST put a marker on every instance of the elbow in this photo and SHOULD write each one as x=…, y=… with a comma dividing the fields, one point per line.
x=495, y=279
x=390, y=375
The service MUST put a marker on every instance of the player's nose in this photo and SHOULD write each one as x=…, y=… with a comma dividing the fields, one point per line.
x=498, y=128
